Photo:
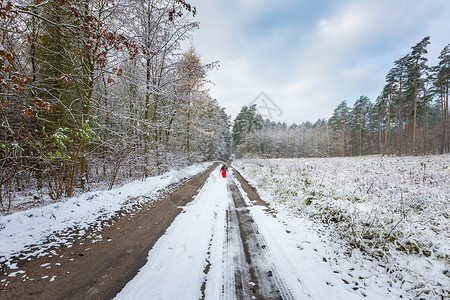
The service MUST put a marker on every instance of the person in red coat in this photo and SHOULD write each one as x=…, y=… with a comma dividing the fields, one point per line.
x=224, y=170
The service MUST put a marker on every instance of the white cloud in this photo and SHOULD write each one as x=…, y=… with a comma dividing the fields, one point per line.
x=343, y=52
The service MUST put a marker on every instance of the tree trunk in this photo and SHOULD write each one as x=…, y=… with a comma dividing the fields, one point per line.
x=415, y=109
x=444, y=109
x=188, y=131
x=34, y=33
x=407, y=128
x=85, y=120
x=388, y=125
x=360, y=134
x=342, y=135
x=146, y=132
x=447, y=121
x=380, y=150
x=148, y=81
x=425, y=121
x=89, y=83
x=400, y=125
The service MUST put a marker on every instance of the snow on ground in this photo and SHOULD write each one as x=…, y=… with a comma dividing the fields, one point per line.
x=24, y=230
x=345, y=228
x=387, y=218
x=298, y=254
x=195, y=252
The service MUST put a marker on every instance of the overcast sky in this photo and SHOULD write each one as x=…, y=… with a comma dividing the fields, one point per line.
x=309, y=55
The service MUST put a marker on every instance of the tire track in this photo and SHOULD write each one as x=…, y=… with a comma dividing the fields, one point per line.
x=236, y=268
x=261, y=276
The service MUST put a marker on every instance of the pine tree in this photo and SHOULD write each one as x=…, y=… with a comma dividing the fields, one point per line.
x=388, y=92
x=442, y=83
x=418, y=63
x=247, y=121
x=339, y=124
x=399, y=72
x=360, y=117
x=228, y=140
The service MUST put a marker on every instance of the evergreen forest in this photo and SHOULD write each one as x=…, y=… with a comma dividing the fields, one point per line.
x=409, y=117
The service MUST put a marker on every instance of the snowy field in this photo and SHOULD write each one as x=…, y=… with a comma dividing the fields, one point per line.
x=387, y=218
x=31, y=230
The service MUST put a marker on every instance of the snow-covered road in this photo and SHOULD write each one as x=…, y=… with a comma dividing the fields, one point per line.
x=223, y=246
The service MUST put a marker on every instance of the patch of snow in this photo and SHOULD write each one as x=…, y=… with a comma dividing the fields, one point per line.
x=14, y=274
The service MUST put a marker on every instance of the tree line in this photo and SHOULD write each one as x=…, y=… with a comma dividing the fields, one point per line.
x=409, y=117
x=97, y=92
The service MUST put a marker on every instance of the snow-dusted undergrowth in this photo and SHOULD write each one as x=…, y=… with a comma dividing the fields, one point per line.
x=393, y=209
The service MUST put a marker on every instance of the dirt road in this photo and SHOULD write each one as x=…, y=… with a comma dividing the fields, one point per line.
x=215, y=249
